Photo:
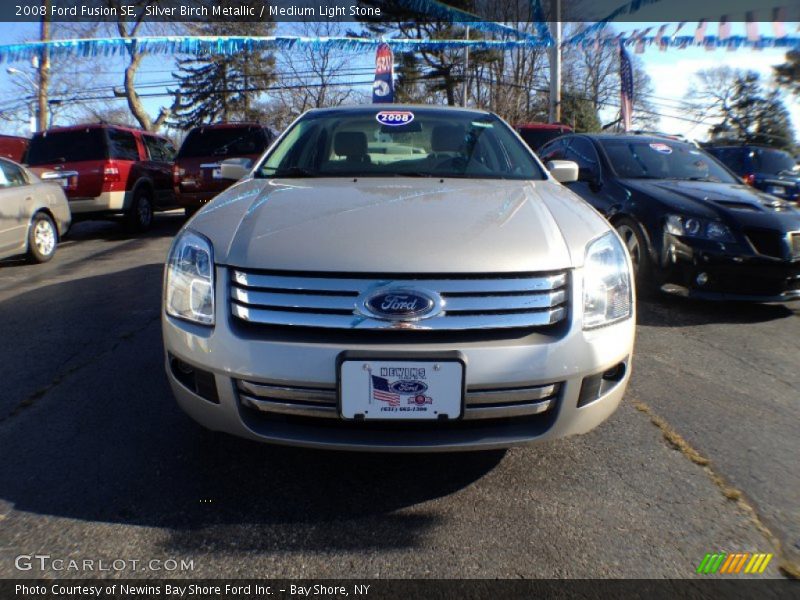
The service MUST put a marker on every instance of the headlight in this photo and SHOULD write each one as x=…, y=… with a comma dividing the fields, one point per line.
x=607, y=294
x=189, y=280
x=698, y=228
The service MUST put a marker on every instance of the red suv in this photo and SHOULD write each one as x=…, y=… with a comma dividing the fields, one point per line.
x=537, y=135
x=13, y=147
x=197, y=174
x=107, y=170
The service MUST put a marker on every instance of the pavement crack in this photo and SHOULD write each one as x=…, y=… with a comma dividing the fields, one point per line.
x=675, y=440
x=32, y=398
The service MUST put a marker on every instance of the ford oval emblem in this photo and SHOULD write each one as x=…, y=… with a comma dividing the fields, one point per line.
x=401, y=304
x=408, y=386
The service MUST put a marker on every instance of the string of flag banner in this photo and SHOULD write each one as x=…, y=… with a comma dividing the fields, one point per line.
x=230, y=45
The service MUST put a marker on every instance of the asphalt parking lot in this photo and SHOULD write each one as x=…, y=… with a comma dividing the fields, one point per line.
x=98, y=462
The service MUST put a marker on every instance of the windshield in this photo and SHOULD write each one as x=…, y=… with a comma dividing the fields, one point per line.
x=67, y=146
x=415, y=142
x=766, y=160
x=223, y=141
x=663, y=159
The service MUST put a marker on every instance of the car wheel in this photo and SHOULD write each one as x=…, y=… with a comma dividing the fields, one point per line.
x=633, y=237
x=42, y=238
x=140, y=214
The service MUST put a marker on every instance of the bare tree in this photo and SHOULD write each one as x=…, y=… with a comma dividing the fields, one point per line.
x=312, y=77
x=129, y=29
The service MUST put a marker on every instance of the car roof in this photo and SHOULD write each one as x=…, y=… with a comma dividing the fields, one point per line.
x=100, y=126
x=412, y=107
x=545, y=126
x=637, y=137
x=231, y=125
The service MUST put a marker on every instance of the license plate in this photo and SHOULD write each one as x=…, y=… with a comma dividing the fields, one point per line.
x=216, y=174
x=416, y=390
x=776, y=190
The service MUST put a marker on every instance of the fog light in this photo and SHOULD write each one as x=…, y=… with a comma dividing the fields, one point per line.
x=702, y=279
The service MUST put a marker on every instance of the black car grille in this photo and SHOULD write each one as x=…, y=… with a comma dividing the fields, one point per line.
x=767, y=242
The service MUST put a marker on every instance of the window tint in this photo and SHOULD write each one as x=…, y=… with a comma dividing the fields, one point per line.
x=223, y=142
x=122, y=145
x=733, y=158
x=158, y=149
x=553, y=150
x=582, y=152
x=769, y=160
x=11, y=175
x=663, y=159
x=67, y=146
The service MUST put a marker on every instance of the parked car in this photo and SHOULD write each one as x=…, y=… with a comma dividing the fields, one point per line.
x=353, y=292
x=690, y=225
x=109, y=170
x=197, y=177
x=769, y=169
x=537, y=135
x=13, y=147
x=33, y=214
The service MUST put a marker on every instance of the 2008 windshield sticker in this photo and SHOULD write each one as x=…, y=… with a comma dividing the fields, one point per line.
x=663, y=148
x=394, y=118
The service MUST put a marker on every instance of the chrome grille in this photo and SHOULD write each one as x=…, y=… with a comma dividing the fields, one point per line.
x=307, y=401
x=518, y=300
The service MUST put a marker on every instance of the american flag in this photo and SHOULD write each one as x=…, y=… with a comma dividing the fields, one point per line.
x=381, y=391
x=626, y=92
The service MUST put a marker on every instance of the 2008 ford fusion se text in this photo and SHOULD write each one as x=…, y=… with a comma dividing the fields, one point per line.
x=411, y=279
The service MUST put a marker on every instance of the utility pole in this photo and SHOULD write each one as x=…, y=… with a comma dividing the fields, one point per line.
x=42, y=109
x=555, y=64
x=466, y=70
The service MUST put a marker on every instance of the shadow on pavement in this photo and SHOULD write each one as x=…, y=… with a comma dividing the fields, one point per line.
x=100, y=438
x=669, y=311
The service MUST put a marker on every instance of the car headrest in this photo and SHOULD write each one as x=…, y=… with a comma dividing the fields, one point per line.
x=350, y=143
x=448, y=138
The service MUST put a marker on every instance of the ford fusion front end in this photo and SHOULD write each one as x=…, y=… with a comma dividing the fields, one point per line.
x=384, y=311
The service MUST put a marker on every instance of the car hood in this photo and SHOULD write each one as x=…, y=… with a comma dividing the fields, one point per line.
x=709, y=199
x=398, y=225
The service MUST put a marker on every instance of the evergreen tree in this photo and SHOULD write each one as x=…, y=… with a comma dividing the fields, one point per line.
x=222, y=87
x=788, y=74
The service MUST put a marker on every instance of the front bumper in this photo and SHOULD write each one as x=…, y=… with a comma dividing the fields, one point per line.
x=699, y=270
x=228, y=355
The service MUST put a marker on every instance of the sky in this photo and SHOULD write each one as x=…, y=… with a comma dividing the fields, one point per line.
x=670, y=72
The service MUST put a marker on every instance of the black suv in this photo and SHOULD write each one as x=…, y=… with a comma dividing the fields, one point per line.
x=691, y=226
x=769, y=169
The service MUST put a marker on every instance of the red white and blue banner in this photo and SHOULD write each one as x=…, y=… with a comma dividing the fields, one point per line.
x=383, y=87
x=626, y=89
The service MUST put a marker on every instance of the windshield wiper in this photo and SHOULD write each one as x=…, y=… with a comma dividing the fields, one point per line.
x=293, y=172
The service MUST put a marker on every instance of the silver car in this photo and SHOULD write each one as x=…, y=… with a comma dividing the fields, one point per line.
x=398, y=278
x=34, y=214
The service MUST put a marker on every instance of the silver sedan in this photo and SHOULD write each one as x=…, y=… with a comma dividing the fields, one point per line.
x=34, y=214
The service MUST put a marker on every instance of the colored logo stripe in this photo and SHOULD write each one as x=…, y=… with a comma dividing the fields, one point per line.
x=734, y=563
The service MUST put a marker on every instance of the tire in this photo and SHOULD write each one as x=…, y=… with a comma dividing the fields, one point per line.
x=139, y=217
x=643, y=269
x=42, y=238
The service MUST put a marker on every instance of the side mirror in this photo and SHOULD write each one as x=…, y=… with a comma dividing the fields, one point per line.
x=563, y=171
x=235, y=168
